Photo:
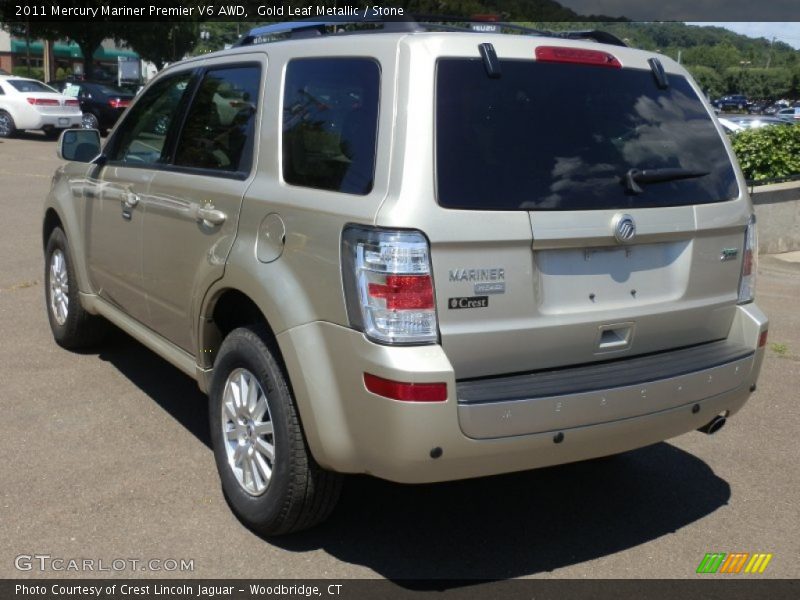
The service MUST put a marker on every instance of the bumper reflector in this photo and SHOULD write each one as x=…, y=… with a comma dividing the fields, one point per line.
x=762, y=339
x=406, y=392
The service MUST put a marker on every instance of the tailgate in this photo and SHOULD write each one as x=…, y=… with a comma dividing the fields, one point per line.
x=634, y=212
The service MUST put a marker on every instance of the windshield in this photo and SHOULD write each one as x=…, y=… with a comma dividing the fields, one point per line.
x=548, y=136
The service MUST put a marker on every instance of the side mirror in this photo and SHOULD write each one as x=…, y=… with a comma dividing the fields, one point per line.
x=80, y=145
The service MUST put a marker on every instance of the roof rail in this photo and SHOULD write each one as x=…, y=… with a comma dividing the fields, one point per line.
x=319, y=27
x=310, y=28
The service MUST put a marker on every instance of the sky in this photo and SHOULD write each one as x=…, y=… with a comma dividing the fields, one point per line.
x=743, y=11
x=783, y=32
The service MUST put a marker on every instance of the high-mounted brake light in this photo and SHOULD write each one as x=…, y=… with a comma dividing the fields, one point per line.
x=388, y=285
x=406, y=392
x=747, y=282
x=578, y=56
x=43, y=101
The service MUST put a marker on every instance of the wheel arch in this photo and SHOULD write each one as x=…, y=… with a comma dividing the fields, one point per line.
x=49, y=223
x=226, y=309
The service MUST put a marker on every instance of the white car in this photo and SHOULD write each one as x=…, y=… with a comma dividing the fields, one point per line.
x=30, y=104
x=789, y=114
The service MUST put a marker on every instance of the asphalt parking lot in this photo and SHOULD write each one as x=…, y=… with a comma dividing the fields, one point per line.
x=105, y=455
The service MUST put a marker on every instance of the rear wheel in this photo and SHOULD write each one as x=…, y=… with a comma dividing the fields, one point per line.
x=7, y=126
x=71, y=325
x=268, y=474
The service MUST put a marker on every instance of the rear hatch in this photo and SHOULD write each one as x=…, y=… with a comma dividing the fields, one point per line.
x=635, y=219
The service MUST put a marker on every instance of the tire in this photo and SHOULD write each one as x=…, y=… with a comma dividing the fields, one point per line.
x=7, y=126
x=286, y=491
x=90, y=121
x=73, y=328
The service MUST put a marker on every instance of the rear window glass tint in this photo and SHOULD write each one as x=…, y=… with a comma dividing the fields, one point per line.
x=330, y=122
x=548, y=136
x=24, y=85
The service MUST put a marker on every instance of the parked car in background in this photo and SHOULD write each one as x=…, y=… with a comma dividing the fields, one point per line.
x=733, y=102
x=757, y=121
x=789, y=114
x=729, y=126
x=30, y=104
x=100, y=104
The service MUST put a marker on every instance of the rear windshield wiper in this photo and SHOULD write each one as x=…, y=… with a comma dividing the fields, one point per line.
x=633, y=177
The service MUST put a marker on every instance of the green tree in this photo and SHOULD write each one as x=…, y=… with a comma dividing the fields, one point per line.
x=708, y=79
x=163, y=42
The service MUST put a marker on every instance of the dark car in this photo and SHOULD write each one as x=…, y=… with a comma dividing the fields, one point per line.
x=101, y=104
x=734, y=102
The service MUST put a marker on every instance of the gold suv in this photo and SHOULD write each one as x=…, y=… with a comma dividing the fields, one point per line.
x=423, y=255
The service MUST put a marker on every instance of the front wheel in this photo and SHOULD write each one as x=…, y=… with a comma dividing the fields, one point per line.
x=72, y=326
x=268, y=475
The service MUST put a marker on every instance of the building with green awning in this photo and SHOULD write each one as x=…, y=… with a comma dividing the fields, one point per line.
x=67, y=57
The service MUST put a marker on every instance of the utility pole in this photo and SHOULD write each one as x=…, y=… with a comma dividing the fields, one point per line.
x=769, y=53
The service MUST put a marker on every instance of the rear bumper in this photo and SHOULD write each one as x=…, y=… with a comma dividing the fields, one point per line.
x=352, y=430
x=32, y=119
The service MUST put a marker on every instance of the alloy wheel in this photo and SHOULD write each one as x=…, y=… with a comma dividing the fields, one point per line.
x=248, y=432
x=59, y=287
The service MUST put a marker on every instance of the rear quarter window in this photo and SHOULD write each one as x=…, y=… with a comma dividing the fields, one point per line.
x=330, y=123
x=547, y=136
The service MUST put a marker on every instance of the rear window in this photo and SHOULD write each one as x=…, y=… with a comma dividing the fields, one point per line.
x=548, y=136
x=110, y=91
x=27, y=85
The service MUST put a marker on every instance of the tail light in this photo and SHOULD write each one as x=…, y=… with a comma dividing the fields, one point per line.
x=388, y=285
x=72, y=102
x=43, y=102
x=747, y=282
x=118, y=103
x=577, y=56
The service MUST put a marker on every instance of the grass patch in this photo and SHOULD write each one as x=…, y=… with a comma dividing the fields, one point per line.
x=780, y=349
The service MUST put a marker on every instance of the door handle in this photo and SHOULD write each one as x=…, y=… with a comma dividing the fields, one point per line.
x=130, y=200
x=210, y=215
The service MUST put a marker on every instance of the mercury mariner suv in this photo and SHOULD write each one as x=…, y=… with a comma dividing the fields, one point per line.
x=422, y=255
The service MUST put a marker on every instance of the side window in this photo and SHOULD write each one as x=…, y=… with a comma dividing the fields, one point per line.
x=219, y=128
x=141, y=136
x=330, y=123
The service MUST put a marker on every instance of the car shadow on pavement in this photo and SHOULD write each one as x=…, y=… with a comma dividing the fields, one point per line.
x=173, y=391
x=515, y=525
x=33, y=136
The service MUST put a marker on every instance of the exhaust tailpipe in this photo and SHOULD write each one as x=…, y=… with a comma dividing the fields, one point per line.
x=713, y=426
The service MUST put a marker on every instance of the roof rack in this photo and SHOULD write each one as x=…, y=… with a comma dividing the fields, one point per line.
x=311, y=28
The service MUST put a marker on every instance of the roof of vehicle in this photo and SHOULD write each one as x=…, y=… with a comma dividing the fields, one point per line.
x=464, y=42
